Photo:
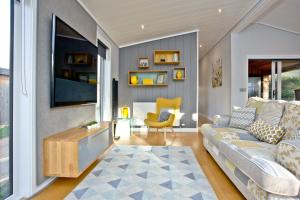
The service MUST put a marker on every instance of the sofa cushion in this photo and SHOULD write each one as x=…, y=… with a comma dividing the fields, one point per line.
x=291, y=120
x=271, y=112
x=266, y=133
x=288, y=155
x=216, y=135
x=242, y=117
x=256, y=102
x=257, y=160
x=221, y=120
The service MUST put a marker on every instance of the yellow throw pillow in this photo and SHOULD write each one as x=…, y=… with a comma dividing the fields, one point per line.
x=266, y=133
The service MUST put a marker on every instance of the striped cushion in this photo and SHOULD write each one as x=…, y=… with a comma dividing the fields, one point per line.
x=242, y=117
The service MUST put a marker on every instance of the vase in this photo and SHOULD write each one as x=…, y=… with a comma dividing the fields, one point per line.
x=134, y=80
x=179, y=74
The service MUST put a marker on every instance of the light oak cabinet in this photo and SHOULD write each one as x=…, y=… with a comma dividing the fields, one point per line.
x=69, y=153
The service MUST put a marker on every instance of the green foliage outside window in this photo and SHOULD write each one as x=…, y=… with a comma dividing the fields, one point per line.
x=289, y=85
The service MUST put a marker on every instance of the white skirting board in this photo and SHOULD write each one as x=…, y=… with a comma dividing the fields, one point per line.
x=43, y=186
x=177, y=130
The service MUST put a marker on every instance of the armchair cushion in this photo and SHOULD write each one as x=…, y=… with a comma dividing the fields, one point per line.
x=164, y=115
x=157, y=124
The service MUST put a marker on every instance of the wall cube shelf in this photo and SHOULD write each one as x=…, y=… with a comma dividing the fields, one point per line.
x=179, y=74
x=148, y=78
x=166, y=57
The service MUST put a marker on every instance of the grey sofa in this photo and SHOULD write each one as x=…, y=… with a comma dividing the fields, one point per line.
x=259, y=170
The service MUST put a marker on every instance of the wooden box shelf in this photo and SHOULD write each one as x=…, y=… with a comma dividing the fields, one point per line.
x=167, y=57
x=69, y=153
x=147, y=78
x=179, y=74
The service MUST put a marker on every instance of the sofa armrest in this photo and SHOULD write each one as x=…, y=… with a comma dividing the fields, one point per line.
x=221, y=120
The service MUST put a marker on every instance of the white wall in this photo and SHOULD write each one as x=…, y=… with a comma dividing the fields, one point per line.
x=257, y=40
x=214, y=101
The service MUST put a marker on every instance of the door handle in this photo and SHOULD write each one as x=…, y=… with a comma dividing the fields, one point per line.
x=274, y=94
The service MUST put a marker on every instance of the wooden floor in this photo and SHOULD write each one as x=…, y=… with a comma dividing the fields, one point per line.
x=219, y=181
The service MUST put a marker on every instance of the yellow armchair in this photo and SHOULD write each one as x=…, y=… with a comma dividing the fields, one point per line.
x=163, y=103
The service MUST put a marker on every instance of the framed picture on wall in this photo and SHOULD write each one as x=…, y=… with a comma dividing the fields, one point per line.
x=143, y=63
x=217, y=73
x=160, y=79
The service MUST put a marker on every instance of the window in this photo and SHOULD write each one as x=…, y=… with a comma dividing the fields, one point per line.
x=5, y=99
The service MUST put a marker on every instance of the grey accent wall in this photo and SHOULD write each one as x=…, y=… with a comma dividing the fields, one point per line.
x=187, y=44
x=214, y=101
x=50, y=121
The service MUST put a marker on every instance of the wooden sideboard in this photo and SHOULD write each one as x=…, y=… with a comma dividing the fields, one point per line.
x=69, y=153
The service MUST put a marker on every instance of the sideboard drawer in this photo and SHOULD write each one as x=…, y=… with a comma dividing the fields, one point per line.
x=89, y=148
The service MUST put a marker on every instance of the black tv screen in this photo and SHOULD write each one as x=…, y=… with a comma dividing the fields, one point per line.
x=74, y=66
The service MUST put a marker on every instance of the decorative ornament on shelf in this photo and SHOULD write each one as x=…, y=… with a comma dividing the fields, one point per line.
x=179, y=74
x=125, y=112
x=175, y=57
x=134, y=80
x=91, y=125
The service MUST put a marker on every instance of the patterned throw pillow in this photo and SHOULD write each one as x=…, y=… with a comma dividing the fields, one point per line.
x=288, y=155
x=164, y=115
x=291, y=120
x=242, y=117
x=266, y=132
x=271, y=113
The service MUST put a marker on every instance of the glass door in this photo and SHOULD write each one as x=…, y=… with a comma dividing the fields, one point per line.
x=274, y=79
x=290, y=80
x=5, y=99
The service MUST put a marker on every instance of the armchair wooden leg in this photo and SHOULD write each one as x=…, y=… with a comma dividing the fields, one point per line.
x=172, y=130
x=165, y=133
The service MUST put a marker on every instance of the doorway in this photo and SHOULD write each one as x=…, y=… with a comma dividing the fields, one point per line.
x=274, y=79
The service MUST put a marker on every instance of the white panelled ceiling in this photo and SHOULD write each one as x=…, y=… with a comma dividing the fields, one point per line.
x=284, y=15
x=122, y=19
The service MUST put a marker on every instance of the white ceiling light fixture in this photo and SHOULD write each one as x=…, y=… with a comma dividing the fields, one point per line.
x=220, y=10
x=200, y=45
x=142, y=26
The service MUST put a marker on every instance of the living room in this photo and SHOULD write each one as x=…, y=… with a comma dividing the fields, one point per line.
x=150, y=100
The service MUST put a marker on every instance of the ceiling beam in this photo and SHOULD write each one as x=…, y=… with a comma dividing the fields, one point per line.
x=257, y=11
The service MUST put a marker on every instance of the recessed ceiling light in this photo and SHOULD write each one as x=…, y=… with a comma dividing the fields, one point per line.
x=200, y=45
x=142, y=26
x=220, y=10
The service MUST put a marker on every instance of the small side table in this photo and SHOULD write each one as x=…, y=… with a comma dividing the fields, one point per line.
x=121, y=120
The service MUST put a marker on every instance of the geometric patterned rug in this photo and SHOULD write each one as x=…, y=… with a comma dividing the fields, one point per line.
x=145, y=172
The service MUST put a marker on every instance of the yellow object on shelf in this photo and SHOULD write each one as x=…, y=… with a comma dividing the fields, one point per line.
x=179, y=74
x=148, y=81
x=134, y=80
x=125, y=112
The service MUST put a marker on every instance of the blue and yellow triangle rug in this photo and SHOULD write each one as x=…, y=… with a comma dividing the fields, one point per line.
x=145, y=172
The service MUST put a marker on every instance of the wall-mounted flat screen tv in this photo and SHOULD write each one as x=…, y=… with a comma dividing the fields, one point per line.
x=74, y=66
